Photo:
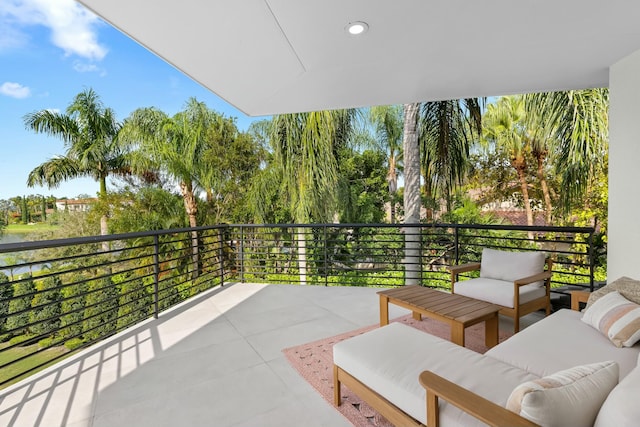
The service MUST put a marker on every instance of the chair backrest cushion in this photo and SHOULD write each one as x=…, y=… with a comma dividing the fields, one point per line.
x=510, y=266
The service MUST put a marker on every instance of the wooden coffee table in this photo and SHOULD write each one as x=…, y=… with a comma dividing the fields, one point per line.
x=458, y=311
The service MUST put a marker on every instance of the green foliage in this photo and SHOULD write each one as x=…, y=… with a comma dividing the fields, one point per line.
x=101, y=310
x=73, y=344
x=233, y=158
x=306, y=148
x=465, y=211
x=446, y=130
x=17, y=322
x=20, y=339
x=46, y=342
x=136, y=299
x=363, y=189
x=72, y=307
x=6, y=292
x=149, y=208
x=46, y=308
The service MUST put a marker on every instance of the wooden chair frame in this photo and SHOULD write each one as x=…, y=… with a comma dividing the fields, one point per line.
x=518, y=310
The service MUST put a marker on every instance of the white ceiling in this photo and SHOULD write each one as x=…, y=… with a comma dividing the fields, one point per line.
x=278, y=56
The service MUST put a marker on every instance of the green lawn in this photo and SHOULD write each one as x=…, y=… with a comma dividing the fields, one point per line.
x=26, y=364
x=29, y=228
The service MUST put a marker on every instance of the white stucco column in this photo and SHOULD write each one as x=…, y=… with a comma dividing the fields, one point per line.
x=624, y=169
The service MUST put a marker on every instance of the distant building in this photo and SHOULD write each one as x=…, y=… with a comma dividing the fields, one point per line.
x=75, y=205
x=518, y=216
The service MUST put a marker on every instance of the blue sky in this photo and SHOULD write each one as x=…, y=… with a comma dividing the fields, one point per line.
x=50, y=50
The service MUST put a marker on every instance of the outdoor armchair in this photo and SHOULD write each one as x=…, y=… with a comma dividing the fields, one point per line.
x=516, y=281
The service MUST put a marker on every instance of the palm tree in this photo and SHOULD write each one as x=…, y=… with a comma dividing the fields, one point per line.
x=504, y=129
x=306, y=149
x=174, y=145
x=578, y=123
x=89, y=132
x=446, y=132
x=388, y=127
x=443, y=130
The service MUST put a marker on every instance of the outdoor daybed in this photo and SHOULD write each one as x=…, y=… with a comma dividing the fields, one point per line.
x=589, y=378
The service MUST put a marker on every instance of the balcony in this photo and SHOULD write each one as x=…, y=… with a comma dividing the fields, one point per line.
x=183, y=350
x=213, y=360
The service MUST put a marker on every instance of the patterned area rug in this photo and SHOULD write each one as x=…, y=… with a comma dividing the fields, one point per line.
x=314, y=362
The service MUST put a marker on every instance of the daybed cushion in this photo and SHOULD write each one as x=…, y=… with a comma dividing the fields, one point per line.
x=621, y=408
x=497, y=291
x=561, y=341
x=628, y=288
x=510, y=266
x=390, y=359
x=571, y=397
x=616, y=317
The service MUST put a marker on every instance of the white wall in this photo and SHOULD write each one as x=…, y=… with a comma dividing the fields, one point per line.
x=624, y=169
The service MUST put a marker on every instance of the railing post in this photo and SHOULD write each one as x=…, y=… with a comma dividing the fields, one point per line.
x=156, y=274
x=326, y=265
x=456, y=246
x=420, y=260
x=241, y=254
x=591, y=261
x=221, y=254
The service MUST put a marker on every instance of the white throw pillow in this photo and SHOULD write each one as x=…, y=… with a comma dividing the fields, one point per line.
x=621, y=408
x=567, y=398
x=616, y=317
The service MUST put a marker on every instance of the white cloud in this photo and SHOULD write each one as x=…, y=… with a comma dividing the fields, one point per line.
x=73, y=27
x=15, y=90
x=84, y=67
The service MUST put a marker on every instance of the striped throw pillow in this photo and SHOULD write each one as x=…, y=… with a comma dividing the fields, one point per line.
x=571, y=397
x=616, y=317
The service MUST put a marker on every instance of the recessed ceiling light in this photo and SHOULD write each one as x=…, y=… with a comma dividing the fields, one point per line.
x=357, y=28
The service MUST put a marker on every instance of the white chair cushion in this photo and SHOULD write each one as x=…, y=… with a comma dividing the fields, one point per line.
x=511, y=266
x=497, y=291
x=621, y=408
x=390, y=359
x=567, y=398
x=561, y=341
x=616, y=317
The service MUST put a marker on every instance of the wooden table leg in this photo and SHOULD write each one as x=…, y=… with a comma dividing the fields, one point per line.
x=491, y=331
x=457, y=333
x=384, y=310
x=417, y=316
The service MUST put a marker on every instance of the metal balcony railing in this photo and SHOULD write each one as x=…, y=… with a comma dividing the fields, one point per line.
x=60, y=295
x=374, y=255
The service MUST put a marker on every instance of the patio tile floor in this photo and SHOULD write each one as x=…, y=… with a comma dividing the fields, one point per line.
x=214, y=360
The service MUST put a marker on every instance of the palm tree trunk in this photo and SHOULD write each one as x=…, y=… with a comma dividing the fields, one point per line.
x=392, y=178
x=191, y=207
x=411, y=194
x=545, y=189
x=524, y=188
x=301, y=240
x=104, y=225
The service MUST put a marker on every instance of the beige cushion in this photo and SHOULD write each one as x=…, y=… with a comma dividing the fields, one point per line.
x=562, y=341
x=628, y=288
x=390, y=359
x=497, y=291
x=621, y=408
x=571, y=397
x=511, y=266
x=616, y=317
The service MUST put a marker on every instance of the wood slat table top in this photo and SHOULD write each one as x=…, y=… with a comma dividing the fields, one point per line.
x=455, y=307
